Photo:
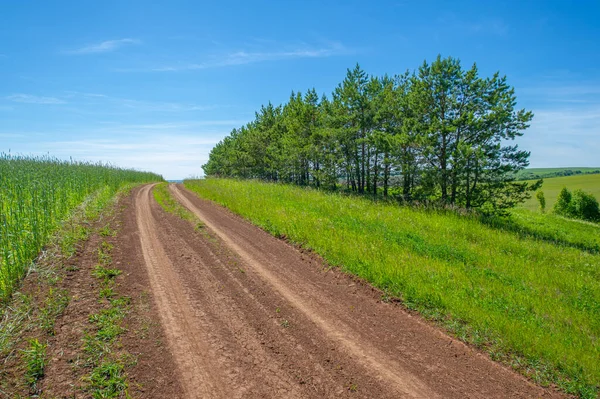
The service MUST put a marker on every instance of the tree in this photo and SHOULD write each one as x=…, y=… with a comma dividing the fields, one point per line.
x=542, y=200
x=441, y=134
x=562, y=206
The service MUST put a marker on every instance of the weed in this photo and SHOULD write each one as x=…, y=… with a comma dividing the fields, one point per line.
x=35, y=360
x=108, y=380
x=103, y=273
x=107, y=231
x=55, y=304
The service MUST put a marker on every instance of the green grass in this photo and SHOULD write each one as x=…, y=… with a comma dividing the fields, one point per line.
x=169, y=204
x=37, y=195
x=551, y=228
x=529, y=298
x=552, y=186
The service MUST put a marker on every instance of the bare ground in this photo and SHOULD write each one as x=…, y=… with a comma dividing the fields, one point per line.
x=248, y=315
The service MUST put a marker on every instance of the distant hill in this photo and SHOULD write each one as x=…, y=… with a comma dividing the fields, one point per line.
x=544, y=173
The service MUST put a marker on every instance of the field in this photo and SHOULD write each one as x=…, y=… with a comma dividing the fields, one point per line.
x=552, y=186
x=522, y=289
x=542, y=173
x=37, y=195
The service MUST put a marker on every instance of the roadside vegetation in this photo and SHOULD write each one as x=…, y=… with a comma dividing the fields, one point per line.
x=28, y=319
x=37, y=195
x=524, y=288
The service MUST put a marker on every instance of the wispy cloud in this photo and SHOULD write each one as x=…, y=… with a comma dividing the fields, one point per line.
x=31, y=99
x=243, y=57
x=564, y=137
x=127, y=104
x=104, y=47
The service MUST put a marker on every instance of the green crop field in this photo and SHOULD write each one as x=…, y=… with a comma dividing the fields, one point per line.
x=524, y=289
x=36, y=196
x=552, y=186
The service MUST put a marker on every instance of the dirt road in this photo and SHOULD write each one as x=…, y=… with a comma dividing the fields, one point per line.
x=246, y=315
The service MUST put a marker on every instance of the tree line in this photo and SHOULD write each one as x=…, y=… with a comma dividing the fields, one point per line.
x=439, y=134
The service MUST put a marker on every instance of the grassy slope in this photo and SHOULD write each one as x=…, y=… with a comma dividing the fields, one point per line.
x=532, y=303
x=552, y=186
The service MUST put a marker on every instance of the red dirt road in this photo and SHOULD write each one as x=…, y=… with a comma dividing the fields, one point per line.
x=246, y=315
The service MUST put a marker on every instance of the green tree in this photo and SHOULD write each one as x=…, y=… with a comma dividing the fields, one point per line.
x=585, y=206
x=542, y=200
x=562, y=206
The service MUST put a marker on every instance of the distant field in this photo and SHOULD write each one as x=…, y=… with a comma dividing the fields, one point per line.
x=526, y=289
x=539, y=173
x=552, y=186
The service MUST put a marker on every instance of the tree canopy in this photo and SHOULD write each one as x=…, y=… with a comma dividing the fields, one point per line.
x=439, y=134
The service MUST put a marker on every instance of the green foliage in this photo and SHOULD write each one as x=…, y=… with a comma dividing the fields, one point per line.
x=563, y=203
x=35, y=359
x=108, y=381
x=526, y=291
x=37, y=196
x=585, y=206
x=437, y=135
x=578, y=205
x=542, y=200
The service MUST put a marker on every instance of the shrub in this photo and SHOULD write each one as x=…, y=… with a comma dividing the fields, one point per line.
x=585, y=206
x=579, y=205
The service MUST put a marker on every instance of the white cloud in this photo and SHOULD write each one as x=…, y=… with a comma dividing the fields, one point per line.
x=564, y=137
x=174, y=149
x=250, y=57
x=104, y=47
x=174, y=155
x=31, y=99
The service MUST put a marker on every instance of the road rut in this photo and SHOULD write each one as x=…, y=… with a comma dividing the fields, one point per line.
x=247, y=315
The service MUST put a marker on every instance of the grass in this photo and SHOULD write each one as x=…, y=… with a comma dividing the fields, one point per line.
x=169, y=204
x=552, y=186
x=519, y=288
x=37, y=196
x=551, y=228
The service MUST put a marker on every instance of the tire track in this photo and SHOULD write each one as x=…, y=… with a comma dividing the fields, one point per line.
x=375, y=362
x=199, y=375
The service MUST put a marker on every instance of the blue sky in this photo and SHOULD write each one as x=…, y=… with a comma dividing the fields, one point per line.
x=154, y=86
